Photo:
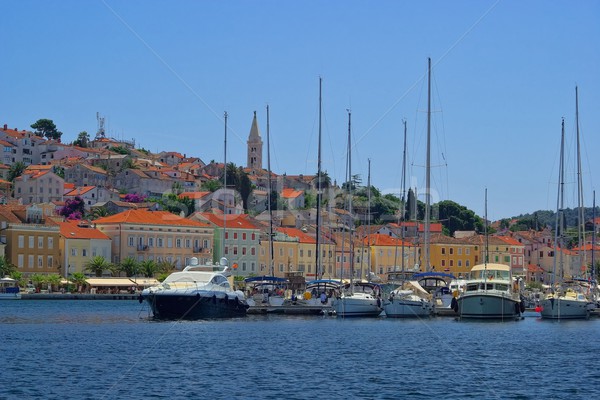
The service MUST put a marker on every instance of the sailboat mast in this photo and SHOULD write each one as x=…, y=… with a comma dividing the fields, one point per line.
x=318, y=272
x=403, y=184
x=349, y=183
x=224, y=187
x=368, y=215
x=580, y=213
x=593, y=277
x=428, y=170
x=485, y=222
x=270, y=190
x=559, y=207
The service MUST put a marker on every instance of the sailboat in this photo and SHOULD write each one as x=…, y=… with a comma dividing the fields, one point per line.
x=566, y=299
x=356, y=298
x=490, y=292
x=408, y=299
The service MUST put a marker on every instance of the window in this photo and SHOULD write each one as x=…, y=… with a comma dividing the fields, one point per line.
x=50, y=261
x=74, y=252
x=178, y=243
x=226, y=235
x=235, y=250
x=244, y=236
x=467, y=251
x=188, y=243
x=169, y=242
x=280, y=252
x=20, y=261
x=301, y=253
x=451, y=250
x=21, y=241
x=507, y=259
x=40, y=261
x=253, y=252
x=280, y=267
x=459, y=251
x=159, y=242
x=31, y=238
x=244, y=251
x=150, y=242
x=443, y=250
x=30, y=261
x=131, y=241
x=253, y=236
x=291, y=253
x=235, y=235
x=40, y=242
x=84, y=252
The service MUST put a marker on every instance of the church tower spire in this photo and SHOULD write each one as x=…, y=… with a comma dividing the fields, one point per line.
x=255, y=144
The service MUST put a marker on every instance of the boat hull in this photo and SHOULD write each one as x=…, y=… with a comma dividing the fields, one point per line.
x=487, y=306
x=561, y=308
x=193, y=306
x=10, y=296
x=357, y=306
x=405, y=308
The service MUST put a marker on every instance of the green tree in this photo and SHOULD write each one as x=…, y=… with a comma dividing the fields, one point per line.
x=148, y=268
x=129, y=266
x=78, y=279
x=38, y=280
x=244, y=187
x=212, y=186
x=15, y=170
x=97, y=265
x=325, y=180
x=54, y=280
x=6, y=268
x=99, y=212
x=46, y=128
x=83, y=140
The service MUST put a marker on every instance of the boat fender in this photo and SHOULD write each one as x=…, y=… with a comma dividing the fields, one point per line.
x=454, y=304
x=522, y=306
x=140, y=298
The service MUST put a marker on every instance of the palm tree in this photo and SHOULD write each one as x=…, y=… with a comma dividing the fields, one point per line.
x=130, y=266
x=97, y=265
x=148, y=268
x=99, y=212
x=6, y=268
x=78, y=279
x=15, y=171
x=54, y=280
x=38, y=280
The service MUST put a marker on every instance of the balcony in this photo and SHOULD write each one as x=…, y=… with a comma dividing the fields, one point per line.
x=142, y=247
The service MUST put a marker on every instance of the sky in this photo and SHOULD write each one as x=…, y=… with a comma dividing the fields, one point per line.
x=164, y=72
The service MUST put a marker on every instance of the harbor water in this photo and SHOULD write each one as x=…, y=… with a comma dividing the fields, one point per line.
x=71, y=349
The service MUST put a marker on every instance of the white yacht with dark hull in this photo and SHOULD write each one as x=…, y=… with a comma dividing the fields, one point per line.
x=196, y=293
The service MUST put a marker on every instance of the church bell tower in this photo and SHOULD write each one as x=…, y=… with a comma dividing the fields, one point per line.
x=255, y=144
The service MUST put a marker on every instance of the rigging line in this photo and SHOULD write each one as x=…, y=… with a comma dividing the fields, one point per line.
x=439, y=60
x=166, y=64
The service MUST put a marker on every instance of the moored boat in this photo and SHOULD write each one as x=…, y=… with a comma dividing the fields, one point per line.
x=490, y=293
x=9, y=289
x=408, y=300
x=196, y=293
x=358, y=299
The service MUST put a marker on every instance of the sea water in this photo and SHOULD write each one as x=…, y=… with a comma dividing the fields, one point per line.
x=69, y=349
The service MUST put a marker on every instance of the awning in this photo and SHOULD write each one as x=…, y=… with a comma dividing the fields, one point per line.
x=110, y=282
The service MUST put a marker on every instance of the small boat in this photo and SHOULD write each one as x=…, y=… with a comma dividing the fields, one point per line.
x=490, y=293
x=265, y=291
x=567, y=301
x=437, y=284
x=195, y=294
x=358, y=299
x=9, y=289
x=408, y=300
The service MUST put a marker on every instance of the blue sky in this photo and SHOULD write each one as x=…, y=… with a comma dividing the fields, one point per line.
x=163, y=73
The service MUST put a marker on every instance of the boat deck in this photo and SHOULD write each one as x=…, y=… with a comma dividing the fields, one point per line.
x=291, y=310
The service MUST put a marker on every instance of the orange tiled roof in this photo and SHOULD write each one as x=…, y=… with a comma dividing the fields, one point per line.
x=80, y=191
x=234, y=221
x=193, y=195
x=144, y=216
x=72, y=230
x=298, y=233
x=378, y=239
x=291, y=193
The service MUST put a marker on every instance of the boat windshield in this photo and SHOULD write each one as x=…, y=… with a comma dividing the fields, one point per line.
x=490, y=274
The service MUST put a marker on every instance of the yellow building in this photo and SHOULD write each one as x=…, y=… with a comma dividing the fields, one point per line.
x=80, y=242
x=451, y=255
x=32, y=241
x=387, y=254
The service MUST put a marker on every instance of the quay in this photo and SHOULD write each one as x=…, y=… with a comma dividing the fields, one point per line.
x=297, y=309
x=79, y=296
